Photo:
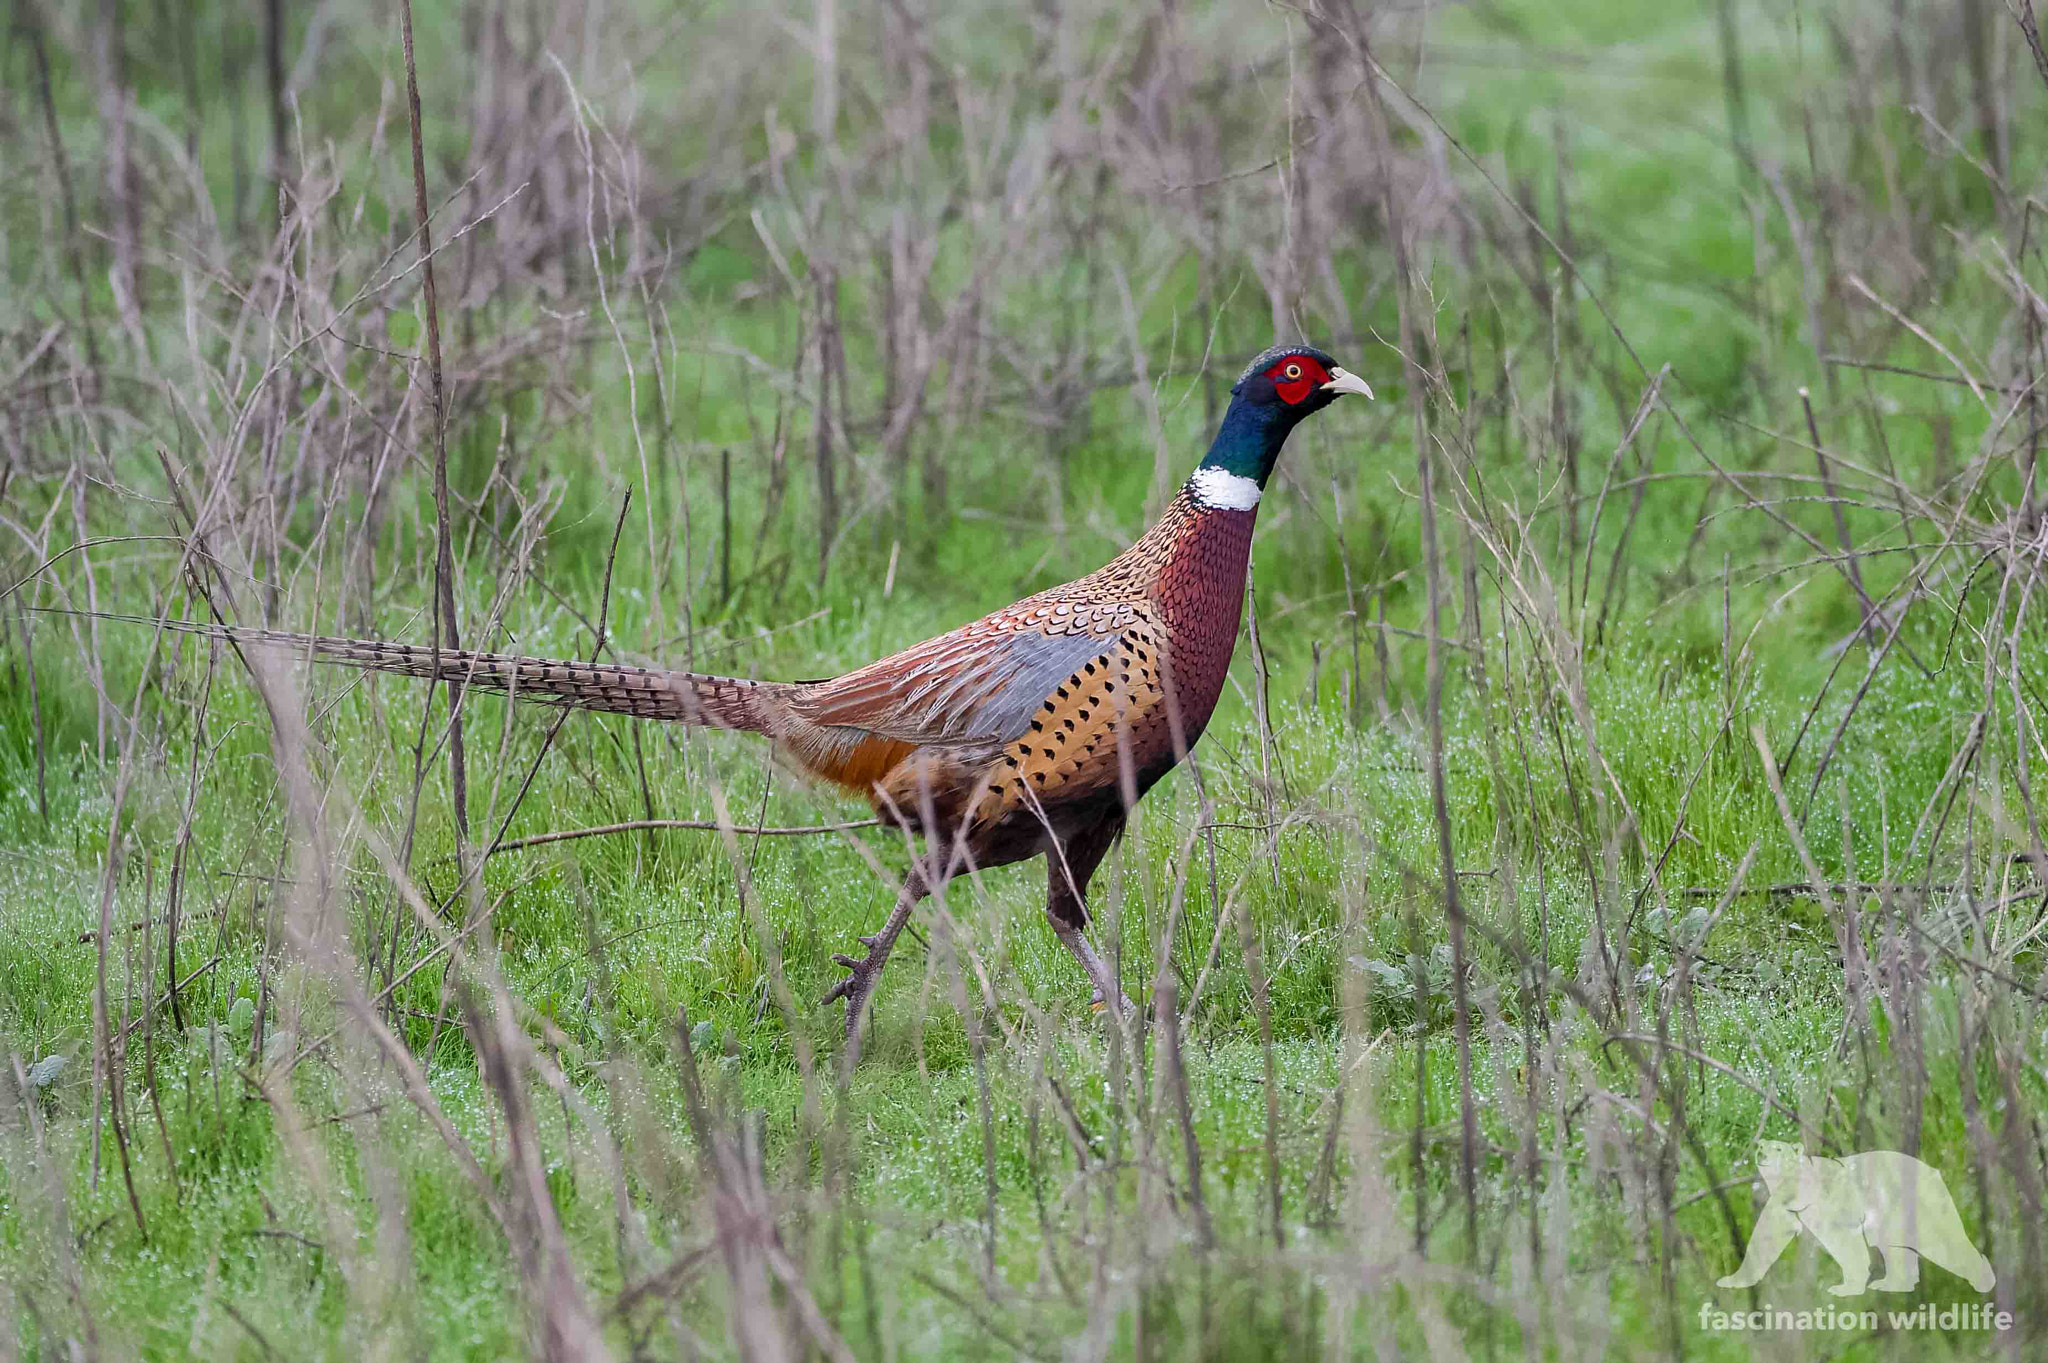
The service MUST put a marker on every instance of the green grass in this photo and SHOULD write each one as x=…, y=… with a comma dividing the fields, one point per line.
x=1709, y=619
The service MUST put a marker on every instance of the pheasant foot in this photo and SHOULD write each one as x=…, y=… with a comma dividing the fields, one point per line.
x=864, y=974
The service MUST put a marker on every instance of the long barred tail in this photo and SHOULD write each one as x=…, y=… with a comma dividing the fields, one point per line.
x=645, y=693
x=680, y=697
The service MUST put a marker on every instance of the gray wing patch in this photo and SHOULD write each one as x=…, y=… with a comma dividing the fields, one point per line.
x=960, y=690
x=1036, y=665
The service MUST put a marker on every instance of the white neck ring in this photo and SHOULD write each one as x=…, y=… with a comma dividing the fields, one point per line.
x=1223, y=490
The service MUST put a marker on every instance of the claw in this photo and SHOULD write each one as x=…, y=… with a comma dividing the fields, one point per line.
x=859, y=979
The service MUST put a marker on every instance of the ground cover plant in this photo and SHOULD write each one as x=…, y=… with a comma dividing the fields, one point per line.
x=1633, y=752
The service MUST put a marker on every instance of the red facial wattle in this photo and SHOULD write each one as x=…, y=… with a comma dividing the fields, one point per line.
x=1295, y=377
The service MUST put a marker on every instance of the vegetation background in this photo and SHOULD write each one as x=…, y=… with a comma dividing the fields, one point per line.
x=1636, y=750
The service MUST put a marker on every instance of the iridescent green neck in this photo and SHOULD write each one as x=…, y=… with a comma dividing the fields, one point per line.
x=1248, y=442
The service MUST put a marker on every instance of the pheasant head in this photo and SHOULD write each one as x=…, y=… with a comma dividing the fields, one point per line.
x=1270, y=398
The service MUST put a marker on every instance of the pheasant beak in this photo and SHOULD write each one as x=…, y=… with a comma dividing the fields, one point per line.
x=1344, y=381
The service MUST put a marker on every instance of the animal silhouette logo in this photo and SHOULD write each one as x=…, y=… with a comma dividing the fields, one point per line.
x=1881, y=1200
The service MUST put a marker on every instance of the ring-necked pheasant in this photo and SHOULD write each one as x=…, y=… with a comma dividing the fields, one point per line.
x=1033, y=730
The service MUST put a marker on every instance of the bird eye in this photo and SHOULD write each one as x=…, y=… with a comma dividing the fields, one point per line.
x=1293, y=371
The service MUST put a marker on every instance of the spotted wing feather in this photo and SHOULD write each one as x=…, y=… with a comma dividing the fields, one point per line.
x=1107, y=724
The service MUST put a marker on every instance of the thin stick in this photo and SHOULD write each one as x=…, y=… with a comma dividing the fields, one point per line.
x=1847, y=363
x=1976, y=388
x=2023, y=14
x=273, y=67
x=1850, y=567
x=107, y=1076
x=445, y=634
x=697, y=825
x=35, y=710
x=1168, y=1008
x=30, y=21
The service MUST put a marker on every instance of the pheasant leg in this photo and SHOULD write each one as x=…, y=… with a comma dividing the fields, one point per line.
x=1099, y=974
x=1070, y=865
x=864, y=974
